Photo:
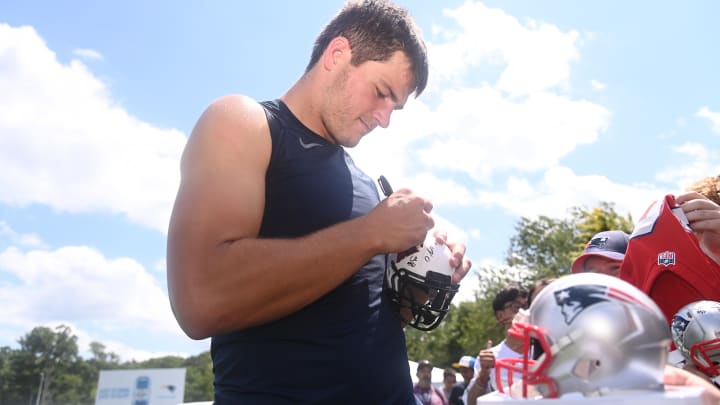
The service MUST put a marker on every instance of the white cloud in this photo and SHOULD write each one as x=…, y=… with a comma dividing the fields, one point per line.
x=161, y=265
x=561, y=189
x=714, y=118
x=90, y=54
x=66, y=144
x=77, y=285
x=127, y=353
x=15, y=238
x=597, y=85
x=536, y=55
x=485, y=133
x=693, y=161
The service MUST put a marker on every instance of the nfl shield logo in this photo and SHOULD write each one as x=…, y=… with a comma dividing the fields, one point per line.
x=666, y=258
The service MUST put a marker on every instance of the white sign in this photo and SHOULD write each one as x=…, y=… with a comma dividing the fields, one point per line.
x=159, y=386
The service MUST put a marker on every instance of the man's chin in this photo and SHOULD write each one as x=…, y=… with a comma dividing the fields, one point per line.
x=349, y=141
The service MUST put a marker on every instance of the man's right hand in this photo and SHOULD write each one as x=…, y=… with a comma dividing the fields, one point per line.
x=403, y=220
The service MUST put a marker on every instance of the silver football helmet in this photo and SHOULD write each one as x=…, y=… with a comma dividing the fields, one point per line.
x=420, y=279
x=600, y=336
x=696, y=333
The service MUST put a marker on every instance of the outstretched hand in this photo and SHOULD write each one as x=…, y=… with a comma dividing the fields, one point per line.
x=458, y=261
x=704, y=217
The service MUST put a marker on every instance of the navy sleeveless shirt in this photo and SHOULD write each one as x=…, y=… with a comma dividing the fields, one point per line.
x=348, y=346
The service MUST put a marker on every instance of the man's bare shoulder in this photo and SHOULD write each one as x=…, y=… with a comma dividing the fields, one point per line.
x=233, y=112
x=231, y=124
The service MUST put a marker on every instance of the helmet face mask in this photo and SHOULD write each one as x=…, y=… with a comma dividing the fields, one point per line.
x=599, y=335
x=696, y=333
x=419, y=279
x=532, y=369
x=706, y=356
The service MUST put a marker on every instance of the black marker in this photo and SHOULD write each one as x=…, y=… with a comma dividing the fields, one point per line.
x=385, y=186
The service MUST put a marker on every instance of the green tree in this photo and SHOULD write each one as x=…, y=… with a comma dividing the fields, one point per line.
x=199, y=378
x=159, y=362
x=52, y=356
x=21, y=379
x=101, y=359
x=544, y=247
x=6, y=375
x=38, y=367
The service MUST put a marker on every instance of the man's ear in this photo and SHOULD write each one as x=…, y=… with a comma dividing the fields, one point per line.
x=498, y=314
x=337, y=53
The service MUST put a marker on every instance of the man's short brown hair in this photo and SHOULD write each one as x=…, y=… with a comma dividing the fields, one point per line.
x=376, y=29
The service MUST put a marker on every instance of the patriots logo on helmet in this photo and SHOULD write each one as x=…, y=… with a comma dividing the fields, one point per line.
x=666, y=258
x=679, y=324
x=573, y=300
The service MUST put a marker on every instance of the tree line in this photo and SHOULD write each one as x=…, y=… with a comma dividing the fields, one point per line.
x=48, y=369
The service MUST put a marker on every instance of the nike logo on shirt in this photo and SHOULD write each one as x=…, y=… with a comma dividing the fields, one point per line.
x=308, y=145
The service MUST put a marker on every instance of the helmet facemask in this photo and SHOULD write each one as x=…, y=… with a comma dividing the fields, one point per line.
x=419, y=280
x=530, y=367
x=706, y=356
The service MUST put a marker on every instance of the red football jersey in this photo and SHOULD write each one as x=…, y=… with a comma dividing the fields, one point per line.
x=665, y=261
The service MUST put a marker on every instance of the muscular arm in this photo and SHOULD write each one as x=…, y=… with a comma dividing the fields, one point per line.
x=221, y=276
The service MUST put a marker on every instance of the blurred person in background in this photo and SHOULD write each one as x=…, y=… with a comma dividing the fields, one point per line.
x=603, y=254
x=466, y=365
x=425, y=393
x=449, y=381
x=507, y=303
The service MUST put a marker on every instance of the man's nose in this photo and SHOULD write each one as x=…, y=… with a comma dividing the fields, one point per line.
x=383, y=112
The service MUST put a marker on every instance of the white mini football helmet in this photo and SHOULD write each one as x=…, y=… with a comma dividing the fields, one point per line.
x=696, y=333
x=420, y=278
x=600, y=336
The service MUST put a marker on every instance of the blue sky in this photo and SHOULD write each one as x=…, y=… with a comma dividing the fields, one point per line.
x=532, y=107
